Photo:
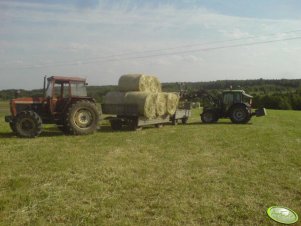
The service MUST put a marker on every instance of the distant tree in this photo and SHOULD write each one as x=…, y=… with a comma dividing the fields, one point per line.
x=284, y=103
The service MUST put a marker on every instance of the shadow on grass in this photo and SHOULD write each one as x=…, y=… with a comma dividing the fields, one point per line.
x=53, y=131
x=216, y=123
x=108, y=129
x=49, y=132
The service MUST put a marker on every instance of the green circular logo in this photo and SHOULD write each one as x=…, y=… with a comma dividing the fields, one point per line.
x=282, y=215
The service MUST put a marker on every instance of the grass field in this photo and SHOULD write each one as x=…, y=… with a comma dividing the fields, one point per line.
x=195, y=174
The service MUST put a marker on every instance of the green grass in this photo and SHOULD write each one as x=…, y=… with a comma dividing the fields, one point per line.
x=195, y=174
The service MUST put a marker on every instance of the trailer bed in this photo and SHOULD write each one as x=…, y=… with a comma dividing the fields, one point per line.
x=127, y=115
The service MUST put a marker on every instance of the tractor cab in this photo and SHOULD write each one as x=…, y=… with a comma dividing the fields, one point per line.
x=62, y=90
x=231, y=97
x=233, y=104
x=65, y=87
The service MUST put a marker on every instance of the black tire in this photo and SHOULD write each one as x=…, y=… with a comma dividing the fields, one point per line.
x=12, y=126
x=28, y=124
x=209, y=117
x=240, y=115
x=133, y=124
x=174, y=122
x=160, y=125
x=81, y=118
x=184, y=120
x=116, y=124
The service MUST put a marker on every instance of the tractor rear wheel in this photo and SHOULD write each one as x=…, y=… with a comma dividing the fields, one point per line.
x=81, y=118
x=28, y=124
x=240, y=114
x=209, y=117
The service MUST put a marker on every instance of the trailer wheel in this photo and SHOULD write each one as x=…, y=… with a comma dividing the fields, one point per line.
x=81, y=118
x=184, y=120
x=209, y=117
x=159, y=125
x=174, y=122
x=116, y=124
x=28, y=124
x=240, y=114
x=133, y=124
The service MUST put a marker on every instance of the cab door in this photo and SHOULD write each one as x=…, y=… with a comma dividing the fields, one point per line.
x=60, y=97
x=227, y=101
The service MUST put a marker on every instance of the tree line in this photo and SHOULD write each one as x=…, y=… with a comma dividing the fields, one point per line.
x=272, y=94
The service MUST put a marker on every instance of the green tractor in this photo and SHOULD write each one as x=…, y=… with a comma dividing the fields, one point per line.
x=233, y=104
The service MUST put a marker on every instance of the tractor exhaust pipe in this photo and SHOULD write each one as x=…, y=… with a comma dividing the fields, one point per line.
x=44, y=86
x=17, y=93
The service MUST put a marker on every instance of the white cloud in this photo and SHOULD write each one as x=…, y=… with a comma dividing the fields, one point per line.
x=49, y=37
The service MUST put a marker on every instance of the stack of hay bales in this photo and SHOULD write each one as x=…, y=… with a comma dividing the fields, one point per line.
x=146, y=93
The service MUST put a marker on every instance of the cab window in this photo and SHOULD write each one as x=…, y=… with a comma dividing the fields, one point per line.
x=61, y=90
x=78, y=89
x=228, y=98
x=236, y=98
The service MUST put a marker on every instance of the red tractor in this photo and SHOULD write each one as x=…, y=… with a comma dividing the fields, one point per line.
x=65, y=103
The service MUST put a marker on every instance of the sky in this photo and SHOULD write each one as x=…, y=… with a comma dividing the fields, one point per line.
x=178, y=41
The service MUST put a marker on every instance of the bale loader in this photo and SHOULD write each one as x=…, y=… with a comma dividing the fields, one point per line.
x=233, y=104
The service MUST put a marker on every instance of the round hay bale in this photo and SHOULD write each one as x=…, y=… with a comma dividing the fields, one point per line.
x=114, y=98
x=172, y=100
x=145, y=101
x=160, y=104
x=154, y=84
x=133, y=82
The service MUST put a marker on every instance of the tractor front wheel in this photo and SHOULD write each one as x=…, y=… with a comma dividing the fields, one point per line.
x=239, y=115
x=12, y=126
x=81, y=118
x=209, y=117
x=27, y=124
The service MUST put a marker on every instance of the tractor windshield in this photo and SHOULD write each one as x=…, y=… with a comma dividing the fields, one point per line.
x=78, y=89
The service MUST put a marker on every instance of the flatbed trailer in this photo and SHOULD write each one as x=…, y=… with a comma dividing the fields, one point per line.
x=127, y=115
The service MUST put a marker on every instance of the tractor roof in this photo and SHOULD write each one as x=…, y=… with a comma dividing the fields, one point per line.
x=233, y=91
x=67, y=79
x=238, y=91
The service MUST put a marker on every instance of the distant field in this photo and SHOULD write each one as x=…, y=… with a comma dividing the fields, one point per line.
x=195, y=174
x=4, y=107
